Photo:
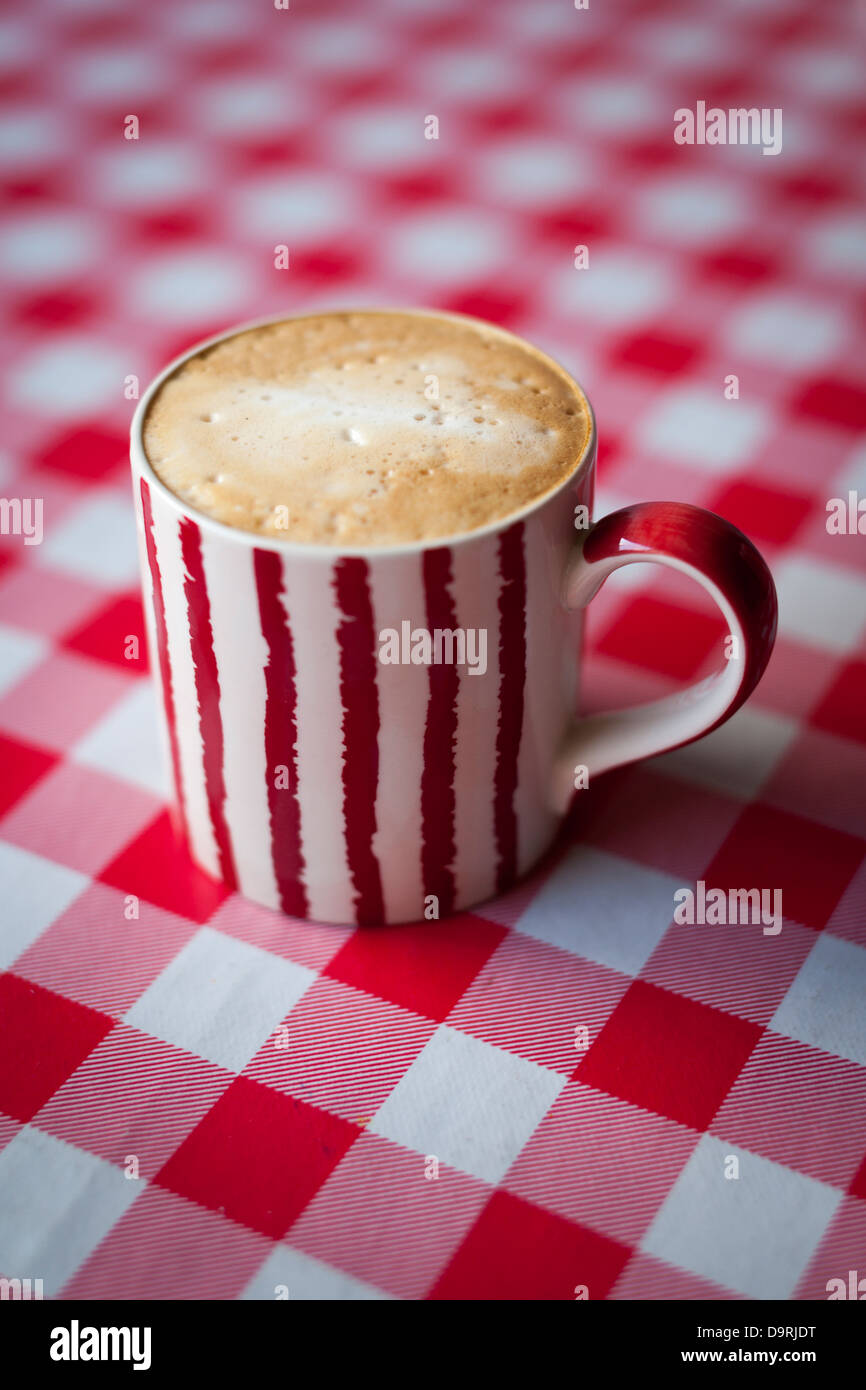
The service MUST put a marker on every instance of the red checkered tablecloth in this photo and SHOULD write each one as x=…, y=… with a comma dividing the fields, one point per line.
x=563, y=1089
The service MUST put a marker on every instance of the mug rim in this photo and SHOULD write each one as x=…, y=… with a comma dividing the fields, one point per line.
x=307, y=549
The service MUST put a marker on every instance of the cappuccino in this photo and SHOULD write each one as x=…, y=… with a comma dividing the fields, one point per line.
x=365, y=428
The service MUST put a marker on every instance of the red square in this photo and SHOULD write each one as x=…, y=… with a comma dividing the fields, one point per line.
x=22, y=767
x=88, y=452
x=409, y=189
x=764, y=513
x=173, y=225
x=662, y=637
x=834, y=400
x=45, y=1037
x=656, y=352
x=424, y=966
x=114, y=635
x=62, y=306
x=813, y=186
x=843, y=709
x=741, y=267
x=488, y=302
x=323, y=262
x=572, y=226
x=517, y=1251
x=157, y=866
x=810, y=863
x=258, y=1156
x=669, y=1054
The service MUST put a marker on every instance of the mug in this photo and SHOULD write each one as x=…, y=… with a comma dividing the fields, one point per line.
x=386, y=734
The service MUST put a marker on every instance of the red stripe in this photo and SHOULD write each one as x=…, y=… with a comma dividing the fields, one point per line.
x=207, y=689
x=512, y=678
x=440, y=734
x=281, y=734
x=162, y=648
x=360, y=698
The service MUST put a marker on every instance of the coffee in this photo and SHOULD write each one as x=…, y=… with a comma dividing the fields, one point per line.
x=365, y=428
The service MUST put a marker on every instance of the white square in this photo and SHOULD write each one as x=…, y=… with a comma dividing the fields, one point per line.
x=35, y=893
x=160, y=171
x=739, y=757
x=315, y=204
x=220, y=998
x=471, y=1105
x=306, y=1278
x=199, y=285
x=837, y=244
x=790, y=330
x=696, y=426
x=820, y=604
x=604, y=908
x=753, y=1234
x=19, y=653
x=669, y=42
x=96, y=541
x=615, y=104
x=532, y=171
x=126, y=742
x=57, y=1203
x=43, y=248
x=690, y=209
x=619, y=288
x=824, y=1005
x=64, y=377
x=467, y=72
x=450, y=246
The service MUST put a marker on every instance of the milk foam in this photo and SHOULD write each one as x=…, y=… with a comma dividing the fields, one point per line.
x=365, y=428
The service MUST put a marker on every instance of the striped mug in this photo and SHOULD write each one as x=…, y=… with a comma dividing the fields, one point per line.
x=388, y=734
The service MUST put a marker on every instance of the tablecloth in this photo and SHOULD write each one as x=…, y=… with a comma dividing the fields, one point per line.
x=565, y=1092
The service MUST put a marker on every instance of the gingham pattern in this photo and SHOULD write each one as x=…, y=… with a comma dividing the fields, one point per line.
x=280, y=1088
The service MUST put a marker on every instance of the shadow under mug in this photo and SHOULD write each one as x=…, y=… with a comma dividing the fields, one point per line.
x=316, y=778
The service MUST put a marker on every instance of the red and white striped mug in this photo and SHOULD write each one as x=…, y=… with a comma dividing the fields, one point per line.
x=316, y=778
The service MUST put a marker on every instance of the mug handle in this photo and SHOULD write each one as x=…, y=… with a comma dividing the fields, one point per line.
x=728, y=566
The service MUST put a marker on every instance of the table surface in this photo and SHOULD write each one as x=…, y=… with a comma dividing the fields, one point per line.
x=201, y=1098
